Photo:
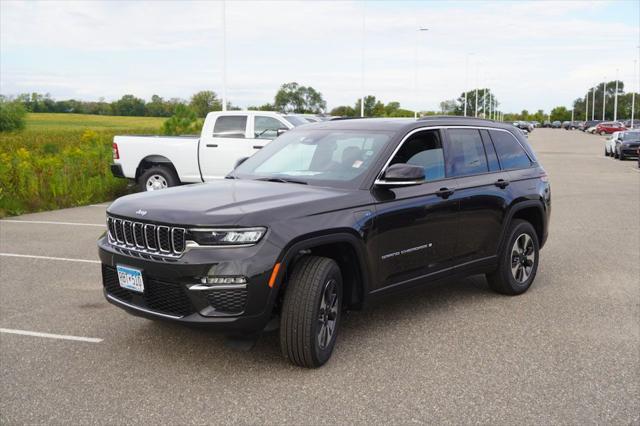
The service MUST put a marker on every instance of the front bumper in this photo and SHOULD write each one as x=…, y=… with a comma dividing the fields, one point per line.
x=168, y=292
x=629, y=152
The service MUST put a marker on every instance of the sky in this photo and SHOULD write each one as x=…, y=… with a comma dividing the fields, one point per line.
x=533, y=55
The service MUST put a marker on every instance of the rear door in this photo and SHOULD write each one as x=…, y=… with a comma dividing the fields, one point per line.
x=482, y=189
x=223, y=143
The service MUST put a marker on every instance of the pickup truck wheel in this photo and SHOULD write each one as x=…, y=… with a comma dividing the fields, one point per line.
x=311, y=312
x=158, y=177
x=518, y=262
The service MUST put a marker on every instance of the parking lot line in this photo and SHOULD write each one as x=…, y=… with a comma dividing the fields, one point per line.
x=46, y=222
x=65, y=259
x=51, y=336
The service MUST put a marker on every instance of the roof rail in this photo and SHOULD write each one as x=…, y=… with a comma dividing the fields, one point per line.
x=453, y=117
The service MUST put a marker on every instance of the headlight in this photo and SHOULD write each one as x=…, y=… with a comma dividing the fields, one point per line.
x=227, y=237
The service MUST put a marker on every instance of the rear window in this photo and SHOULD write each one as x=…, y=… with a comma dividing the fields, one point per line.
x=510, y=152
x=230, y=126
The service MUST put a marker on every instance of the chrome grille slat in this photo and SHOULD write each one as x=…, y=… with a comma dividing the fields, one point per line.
x=139, y=238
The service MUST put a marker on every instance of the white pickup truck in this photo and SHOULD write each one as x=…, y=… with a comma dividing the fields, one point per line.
x=157, y=162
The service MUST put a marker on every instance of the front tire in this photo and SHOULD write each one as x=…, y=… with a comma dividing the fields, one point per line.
x=518, y=261
x=156, y=178
x=621, y=156
x=311, y=312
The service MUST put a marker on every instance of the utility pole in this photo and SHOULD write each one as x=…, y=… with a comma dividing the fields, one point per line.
x=224, y=55
x=604, y=99
x=415, y=67
x=572, y=116
x=633, y=95
x=466, y=81
x=615, y=99
x=586, y=107
x=476, y=109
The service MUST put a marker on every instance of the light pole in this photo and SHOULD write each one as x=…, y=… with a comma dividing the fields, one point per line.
x=415, y=68
x=615, y=99
x=633, y=94
x=586, y=107
x=466, y=81
x=476, y=109
x=593, y=105
x=364, y=4
x=604, y=98
x=224, y=55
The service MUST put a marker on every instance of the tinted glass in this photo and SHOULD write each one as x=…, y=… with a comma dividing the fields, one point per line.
x=465, y=153
x=423, y=149
x=510, y=152
x=295, y=121
x=231, y=126
x=317, y=157
x=492, y=157
x=266, y=127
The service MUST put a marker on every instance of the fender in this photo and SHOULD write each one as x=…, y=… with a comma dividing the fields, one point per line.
x=309, y=241
x=516, y=208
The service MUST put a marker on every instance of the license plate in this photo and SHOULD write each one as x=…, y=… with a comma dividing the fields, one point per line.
x=130, y=278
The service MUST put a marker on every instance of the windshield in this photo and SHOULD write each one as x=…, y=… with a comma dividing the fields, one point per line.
x=295, y=121
x=334, y=158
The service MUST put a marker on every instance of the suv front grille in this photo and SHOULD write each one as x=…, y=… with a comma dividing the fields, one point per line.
x=146, y=238
x=159, y=296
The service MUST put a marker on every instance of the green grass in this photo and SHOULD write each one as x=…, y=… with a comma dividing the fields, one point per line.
x=62, y=160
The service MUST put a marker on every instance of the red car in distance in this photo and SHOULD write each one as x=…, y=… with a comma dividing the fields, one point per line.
x=609, y=127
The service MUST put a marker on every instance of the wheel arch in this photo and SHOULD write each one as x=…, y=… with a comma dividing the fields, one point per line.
x=343, y=247
x=533, y=212
x=154, y=160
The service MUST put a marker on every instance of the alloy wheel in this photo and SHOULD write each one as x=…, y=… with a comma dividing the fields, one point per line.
x=156, y=182
x=523, y=258
x=328, y=314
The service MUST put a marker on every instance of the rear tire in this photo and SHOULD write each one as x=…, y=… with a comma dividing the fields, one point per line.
x=311, y=312
x=518, y=261
x=156, y=178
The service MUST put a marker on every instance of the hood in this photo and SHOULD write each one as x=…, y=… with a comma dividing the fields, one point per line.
x=232, y=202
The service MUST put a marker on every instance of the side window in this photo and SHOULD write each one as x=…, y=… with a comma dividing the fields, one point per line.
x=266, y=127
x=230, y=126
x=423, y=149
x=492, y=157
x=465, y=153
x=510, y=152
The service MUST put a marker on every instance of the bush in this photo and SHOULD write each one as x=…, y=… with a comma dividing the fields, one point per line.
x=183, y=122
x=12, y=115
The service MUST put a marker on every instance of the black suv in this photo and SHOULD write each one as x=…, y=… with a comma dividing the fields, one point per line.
x=328, y=217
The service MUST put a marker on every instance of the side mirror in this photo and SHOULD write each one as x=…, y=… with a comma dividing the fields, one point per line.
x=281, y=131
x=402, y=174
x=240, y=161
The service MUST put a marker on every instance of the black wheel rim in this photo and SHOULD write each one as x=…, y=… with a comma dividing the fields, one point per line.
x=523, y=258
x=328, y=314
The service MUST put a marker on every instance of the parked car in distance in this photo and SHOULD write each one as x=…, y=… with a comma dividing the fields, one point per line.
x=565, y=125
x=627, y=145
x=636, y=124
x=535, y=123
x=523, y=125
x=158, y=162
x=546, y=123
x=328, y=217
x=556, y=124
x=610, y=144
x=576, y=125
x=586, y=125
x=608, y=127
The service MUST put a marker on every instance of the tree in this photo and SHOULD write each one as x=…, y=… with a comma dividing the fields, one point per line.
x=560, y=113
x=484, y=96
x=372, y=107
x=184, y=121
x=204, y=102
x=263, y=107
x=12, y=115
x=292, y=97
x=448, y=107
x=343, y=111
x=128, y=105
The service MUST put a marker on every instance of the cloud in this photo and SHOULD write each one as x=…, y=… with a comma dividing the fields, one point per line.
x=533, y=54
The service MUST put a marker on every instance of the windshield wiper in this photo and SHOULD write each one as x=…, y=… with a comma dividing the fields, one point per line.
x=283, y=180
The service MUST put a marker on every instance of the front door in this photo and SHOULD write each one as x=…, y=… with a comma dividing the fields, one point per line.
x=415, y=227
x=223, y=145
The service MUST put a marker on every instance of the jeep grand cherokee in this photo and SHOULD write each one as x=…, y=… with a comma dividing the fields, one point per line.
x=330, y=217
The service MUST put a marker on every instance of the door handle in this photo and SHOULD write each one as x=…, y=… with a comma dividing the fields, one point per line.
x=212, y=145
x=501, y=183
x=445, y=192
x=257, y=147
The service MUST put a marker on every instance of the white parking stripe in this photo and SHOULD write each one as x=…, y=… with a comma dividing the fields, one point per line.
x=66, y=259
x=46, y=222
x=51, y=336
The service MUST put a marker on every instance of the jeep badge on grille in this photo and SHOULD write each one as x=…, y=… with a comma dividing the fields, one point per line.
x=141, y=212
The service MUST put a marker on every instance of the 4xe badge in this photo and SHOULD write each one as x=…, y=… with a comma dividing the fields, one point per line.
x=141, y=212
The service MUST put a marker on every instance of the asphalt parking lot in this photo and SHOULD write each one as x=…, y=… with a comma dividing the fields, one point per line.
x=568, y=351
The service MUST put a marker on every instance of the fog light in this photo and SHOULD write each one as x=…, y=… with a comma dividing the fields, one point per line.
x=223, y=280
